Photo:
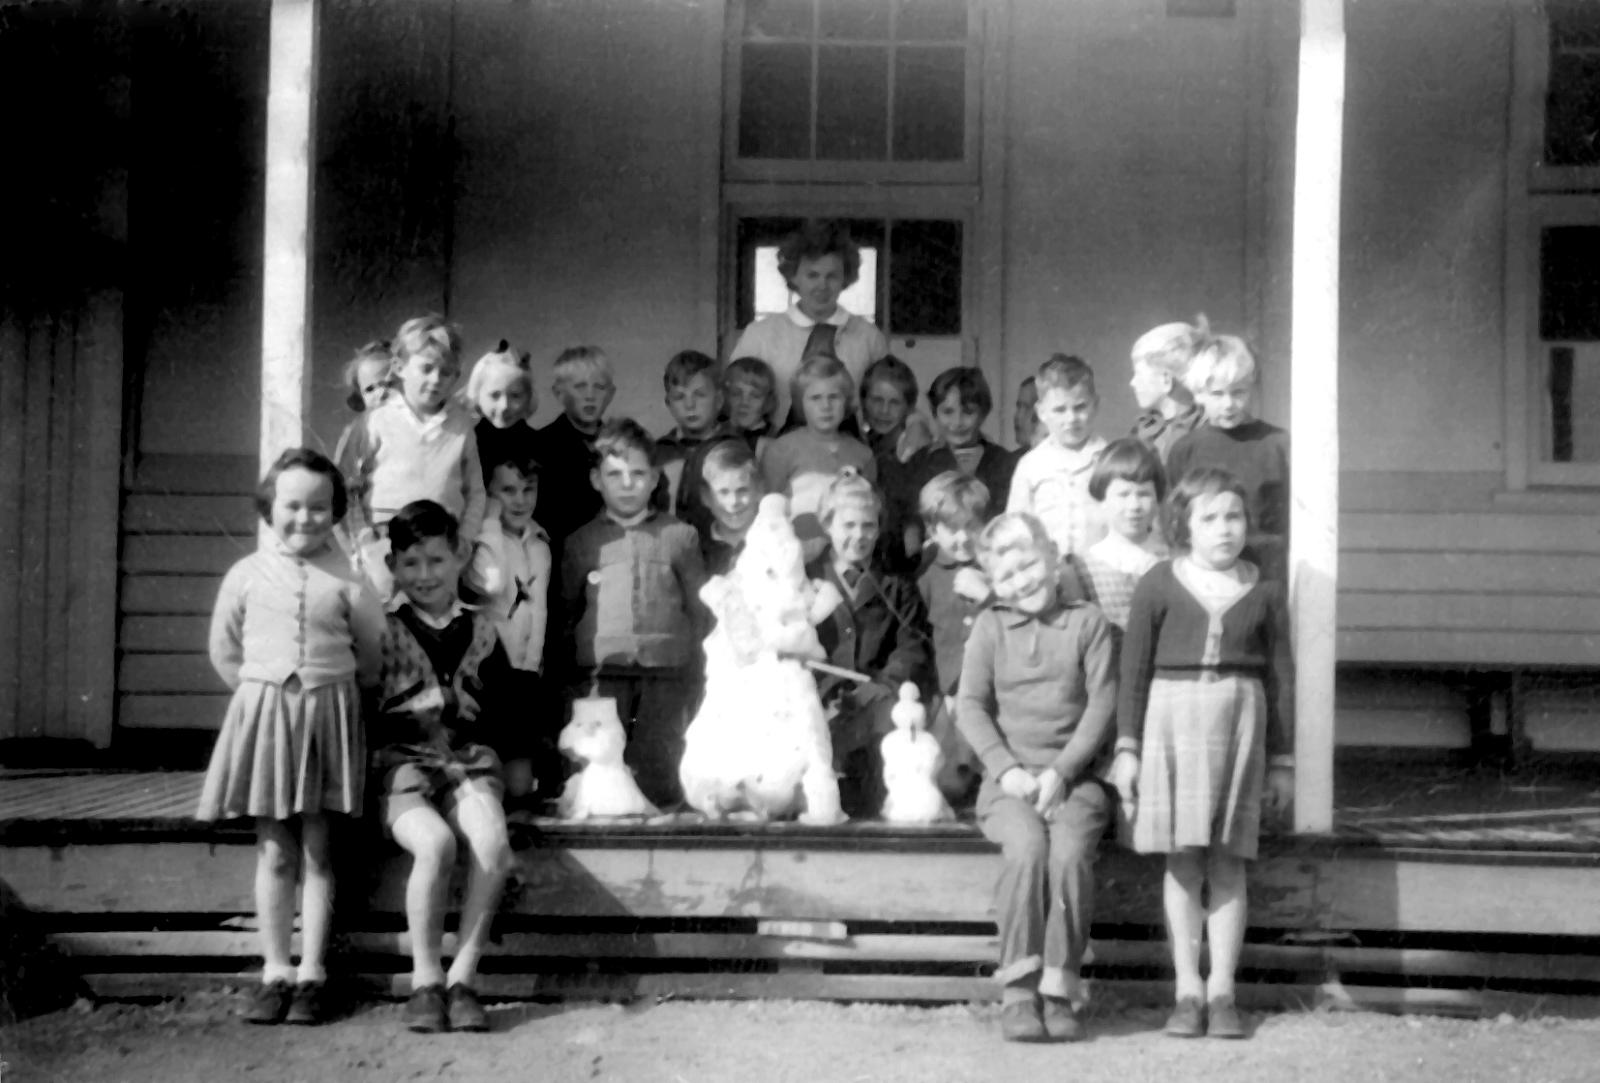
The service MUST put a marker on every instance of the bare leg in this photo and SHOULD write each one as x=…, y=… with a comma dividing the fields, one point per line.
x=1180, y=896
x=316, y=898
x=1225, y=924
x=277, y=870
x=423, y=834
x=481, y=821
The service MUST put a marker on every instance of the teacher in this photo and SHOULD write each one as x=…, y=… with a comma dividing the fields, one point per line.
x=819, y=261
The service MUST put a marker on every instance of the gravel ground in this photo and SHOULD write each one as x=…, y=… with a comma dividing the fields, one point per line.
x=198, y=1039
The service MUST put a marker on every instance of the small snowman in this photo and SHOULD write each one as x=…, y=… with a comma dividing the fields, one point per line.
x=604, y=785
x=911, y=759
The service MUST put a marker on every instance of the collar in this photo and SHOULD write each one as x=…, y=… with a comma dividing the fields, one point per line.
x=457, y=608
x=1055, y=618
x=276, y=546
x=649, y=514
x=1080, y=458
x=839, y=318
x=718, y=533
x=951, y=565
x=534, y=531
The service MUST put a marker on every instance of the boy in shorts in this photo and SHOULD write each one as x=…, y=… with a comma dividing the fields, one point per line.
x=438, y=741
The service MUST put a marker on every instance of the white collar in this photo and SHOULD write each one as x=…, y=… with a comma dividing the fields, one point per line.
x=457, y=608
x=839, y=318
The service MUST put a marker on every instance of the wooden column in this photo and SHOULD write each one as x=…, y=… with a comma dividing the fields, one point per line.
x=1314, y=404
x=286, y=300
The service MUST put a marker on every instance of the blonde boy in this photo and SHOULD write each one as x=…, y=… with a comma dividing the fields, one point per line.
x=1160, y=365
x=802, y=463
x=1038, y=689
x=1052, y=480
x=1222, y=377
x=730, y=491
x=565, y=449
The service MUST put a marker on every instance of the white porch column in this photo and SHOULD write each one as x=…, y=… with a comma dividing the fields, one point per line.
x=1314, y=404
x=286, y=294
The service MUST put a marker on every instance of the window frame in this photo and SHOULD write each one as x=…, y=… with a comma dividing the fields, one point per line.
x=1538, y=196
x=966, y=170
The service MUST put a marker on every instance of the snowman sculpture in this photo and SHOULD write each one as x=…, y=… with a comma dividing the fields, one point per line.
x=759, y=748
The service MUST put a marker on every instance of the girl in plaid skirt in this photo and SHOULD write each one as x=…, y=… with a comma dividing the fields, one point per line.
x=1205, y=727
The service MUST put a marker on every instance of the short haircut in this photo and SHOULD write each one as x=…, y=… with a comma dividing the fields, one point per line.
x=1063, y=372
x=754, y=370
x=954, y=500
x=968, y=383
x=375, y=352
x=575, y=359
x=684, y=366
x=726, y=456
x=1014, y=530
x=815, y=239
x=1220, y=359
x=432, y=335
x=417, y=522
x=523, y=464
x=889, y=369
x=622, y=435
x=849, y=486
x=1128, y=459
x=1199, y=482
x=1170, y=347
x=503, y=358
x=301, y=458
x=818, y=369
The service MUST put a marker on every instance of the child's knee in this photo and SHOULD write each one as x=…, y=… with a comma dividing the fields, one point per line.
x=428, y=839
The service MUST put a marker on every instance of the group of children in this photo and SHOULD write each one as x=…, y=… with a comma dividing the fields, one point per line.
x=444, y=589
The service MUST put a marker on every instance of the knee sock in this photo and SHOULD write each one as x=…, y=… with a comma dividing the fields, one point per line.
x=280, y=972
x=310, y=972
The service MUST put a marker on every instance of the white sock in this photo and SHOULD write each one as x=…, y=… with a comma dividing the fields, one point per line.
x=272, y=972
x=419, y=978
x=462, y=972
x=310, y=972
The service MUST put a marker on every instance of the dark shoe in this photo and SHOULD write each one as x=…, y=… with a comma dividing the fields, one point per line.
x=1222, y=1019
x=465, y=1011
x=1188, y=1019
x=270, y=1004
x=309, y=1005
x=425, y=1012
x=1061, y=1022
x=1020, y=1022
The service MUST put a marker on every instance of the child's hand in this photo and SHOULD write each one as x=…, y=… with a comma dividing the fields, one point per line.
x=971, y=584
x=1125, y=776
x=1018, y=783
x=917, y=434
x=1279, y=796
x=1051, y=786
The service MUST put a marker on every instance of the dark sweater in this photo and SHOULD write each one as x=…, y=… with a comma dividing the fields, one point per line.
x=1166, y=637
x=1258, y=454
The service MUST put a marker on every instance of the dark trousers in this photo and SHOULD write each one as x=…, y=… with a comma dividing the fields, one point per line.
x=1044, y=898
x=656, y=706
x=857, y=732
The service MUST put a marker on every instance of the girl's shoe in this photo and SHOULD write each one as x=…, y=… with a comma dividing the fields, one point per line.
x=1188, y=1019
x=465, y=1011
x=1223, y=1019
x=425, y=1011
x=309, y=1005
x=270, y=1004
x=1020, y=1022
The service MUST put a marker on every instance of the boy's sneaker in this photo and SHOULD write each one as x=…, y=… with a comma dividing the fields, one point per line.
x=1061, y=1022
x=1223, y=1019
x=270, y=1003
x=1020, y=1022
x=465, y=1011
x=425, y=1011
x=1188, y=1019
x=309, y=1004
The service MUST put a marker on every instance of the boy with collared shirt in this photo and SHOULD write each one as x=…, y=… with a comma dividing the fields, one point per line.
x=730, y=487
x=880, y=629
x=694, y=398
x=629, y=601
x=521, y=549
x=442, y=730
x=1038, y=691
x=1052, y=480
